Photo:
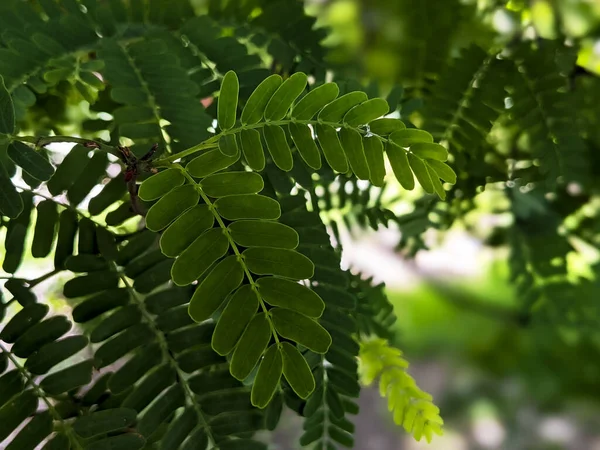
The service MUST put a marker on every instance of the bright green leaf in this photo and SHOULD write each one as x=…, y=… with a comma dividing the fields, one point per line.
x=257, y=102
x=30, y=161
x=444, y=171
x=302, y=137
x=285, y=95
x=232, y=183
x=399, y=161
x=278, y=261
x=258, y=233
x=315, y=100
x=171, y=206
x=385, y=126
x=420, y=170
x=428, y=150
x=161, y=183
x=409, y=136
x=296, y=371
x=366, y=112
x=291, y=295
x=267, y=378
x=210, y=162
x=227, y=103
x=374, y=153
x=301, y=329
x=278, y=147
x=252, y=206
x=353, y=148
x=252, y=148
x=337, y=109
x=186, y=229
x=332, y=149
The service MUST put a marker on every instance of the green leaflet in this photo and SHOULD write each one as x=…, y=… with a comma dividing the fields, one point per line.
x=420, y=170
x=316, y=99
x=278, y=147
x=218, y=284
x=102, y=422
x=120, y=320
x=22, y=321
x=171, y=206
x=252, y=206
x=199, y=256
x=7, y=110
x=444, y=171
x=228, y=99
x=385, y=126
x=296, y=371
x=40, y=334
x=399, y=162
x=257, y=102
x=11, y=204
x=353, y=147
x=374, y=153
x=337, y=109
x=232, y=183
x=228, y=146
x=69, y=170
x=209, y=162
x=34, y=432
x=90, y=284
x=67, y=379
x=186, y=229
x=251, y=346
x=302, y=137
x=291, y=295
x=128, y=441
x=16, y=411
x=258, y=233
x=233, y=320
x=30, y=161
x=438, y=187
x=285, y=95
x=409, y=136
x=252, y=148
x=278, y=261
x=67, y=228
x=267, y=377
x=366, y=111
x=332, y=149
x=20, y=291
x=301, y=329
x=428, y=150
x=160, y=184
x=112, y=192
x=99, y=304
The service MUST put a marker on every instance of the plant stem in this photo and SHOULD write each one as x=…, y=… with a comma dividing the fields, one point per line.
x=45, y=140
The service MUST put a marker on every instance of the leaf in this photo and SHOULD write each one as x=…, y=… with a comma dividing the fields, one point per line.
x=278, y=147
x=296, y=371
x=366, y=112
x=218, y=284
x=118, y=321
x=427, y=150
x=399, y=161
x=373, y=148
x=291, y=295
x=267, y=377
x=30, y=161
x=90, y=284
x=257, y=102
x=40, y=334
x=251, y=346
x=67, y=379
x=228, y=146
x=199, y=256
x=102, y=422
x=11, y=203
x=228, y=99
x=337, y=109
x=437, y=184
x=420, y=170
x=171, y=206
x=186, y=229
x=160, y=184
x=210, y=162
x=258, y=233
x=23, y=321
x=16, y=411
x=277, y=261
x=233, y=320
x=409, y=136
x=302, y=137
x=332, y=149
x=353, y=148
x=385, y=126
x=285, y=95
x=315, y=100
x=232, y=183
x=7, y=110
x=250, y=206
x=252, y=149
x=444, y=171
x=127, y=441
x=301, y=329
x=99, y=304
x=34, y=432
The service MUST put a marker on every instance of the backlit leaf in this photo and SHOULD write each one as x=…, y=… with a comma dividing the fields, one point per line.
x=232, y=183
x=337, y=109
x=161, y=183
x=257, y=102
x=210, y=162
x=301, y=329
x=252, y=206
x=373, y=148
x=285, y=95
x=353, y=148
x=427, y=150
x=278, y=147
x=251, y=346
x=444, y=171
x=278, y=261
x=315, y=100
x=409, y=136
x=186, y=229
x=420, y=170
x=366, y=111
x=399, y=161
x=252, y=149
x=296, y=370
x=302, y=137
x=171, y=206
x=332, y=149
x=291, y=295
x=233, y=320
x=267, y=378
x=385, y=126
x=258, y=233
x=30, y=161
x=228, y=99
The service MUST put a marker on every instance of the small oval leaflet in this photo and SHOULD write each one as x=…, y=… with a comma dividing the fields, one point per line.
x=228, y=99
x=305, y=144
x=278, y=147
x=252, y=206
x=332, y=149
x=420, y=170
x=366, y=111
x=337, y=109
x=30, y=161
x=374, y=153
x=258, y=233
x=159, y=184
x=296, y=371
x=228, y=145
x=232, y=183
x=444, y=171
x=428, y=150
x=315, y=100
x=251, y=346
x=209, y=162
x=171, y=206
x=233, y=320
x=186, y=229
x=257, y=102
x=218, y=284
x=291, y=295
x=399, y=162
x=409, y=136
x=267, y=377
x=278, y=261
x=199, y=256
x=352, y=144
x=105, y=421
x=301, y=329
x=284, y=96
x=252, y=148
x=385, y=126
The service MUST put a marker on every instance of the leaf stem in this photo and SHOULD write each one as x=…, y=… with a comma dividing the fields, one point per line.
x=45, y=140
x=234, y=247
